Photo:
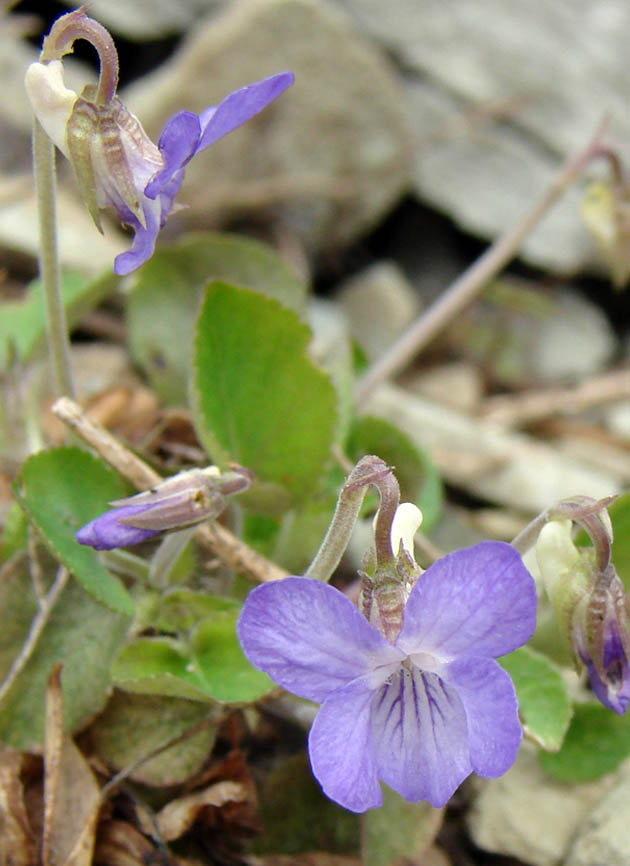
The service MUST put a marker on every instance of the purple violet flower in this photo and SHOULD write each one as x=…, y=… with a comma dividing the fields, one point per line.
x=115, y=162
x=106, y=531
x=185, y=135
x=420, y=713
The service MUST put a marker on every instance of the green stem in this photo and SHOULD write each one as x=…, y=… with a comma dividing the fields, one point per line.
x=127, y=564
x=58, y=344
x=369, y=470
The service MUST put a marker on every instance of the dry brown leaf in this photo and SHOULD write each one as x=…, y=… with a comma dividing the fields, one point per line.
x=71, y=794
x=178, y=816
x=317, y=858
x=17, y=842
x=120, y=844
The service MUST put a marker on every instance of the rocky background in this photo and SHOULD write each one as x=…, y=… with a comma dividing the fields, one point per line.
x=417, y=132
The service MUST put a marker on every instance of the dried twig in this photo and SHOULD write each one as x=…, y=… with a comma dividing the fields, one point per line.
x=469, y=284
x=219, y=540
x=529, y=406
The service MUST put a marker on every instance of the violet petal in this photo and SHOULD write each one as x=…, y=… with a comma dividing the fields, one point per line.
x=143, y=243
x=613, y=691
x=340, y=748
x=240, y=105
x=477, y=601
x=309, y=638
x=494, y=731
x=106, y=532
x=178, y=144
x=420, y=736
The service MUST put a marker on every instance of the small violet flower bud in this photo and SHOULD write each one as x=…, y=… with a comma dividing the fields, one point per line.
x=589, y=602
x=185, y=499
x=115, y=162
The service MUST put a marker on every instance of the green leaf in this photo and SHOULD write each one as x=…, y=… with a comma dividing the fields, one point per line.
x=418, y=478
x=298, y=818
x=543, y=698
x=14, y=532
x=23, y=324
x=164, y=300
x=620, y=516
x=182, y=608
x=210, y=667
x=257, y=397
x=133, y=726
x=596, y=743
x=79, y=633
x=61, y=490
x=398, y=830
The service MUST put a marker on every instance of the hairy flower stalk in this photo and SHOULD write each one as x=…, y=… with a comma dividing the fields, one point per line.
x=183, y=500
x=588, y=597
x=116, y=164
x=409, y=688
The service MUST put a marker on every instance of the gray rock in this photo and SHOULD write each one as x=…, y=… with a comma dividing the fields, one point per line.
x=604, y=838
x=147, y=19
x=527, y=815
x=577, y=340
x=380, y=303
x=331, y=156
x=500, y=94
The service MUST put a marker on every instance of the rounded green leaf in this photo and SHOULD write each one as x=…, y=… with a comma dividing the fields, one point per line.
x=399, y=831
x=164, y=300
x=543, y=698
x=61, y=490
x=133, y=726
x=257, y=397
x=79, y=633
x=210, y=667
x=597, y=741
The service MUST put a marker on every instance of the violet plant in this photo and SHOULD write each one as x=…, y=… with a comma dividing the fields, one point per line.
x=432, y=673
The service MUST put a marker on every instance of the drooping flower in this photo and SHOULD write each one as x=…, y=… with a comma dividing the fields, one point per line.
x=421, y=712
x=589, y=603
x=115, y=162
x=183, y=500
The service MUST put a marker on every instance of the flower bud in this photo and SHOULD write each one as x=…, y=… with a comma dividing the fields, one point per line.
x=589, y=603
x=188, y=498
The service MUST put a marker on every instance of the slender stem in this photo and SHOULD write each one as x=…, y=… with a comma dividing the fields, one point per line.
x=37, y=627
x=528, y=535
x=126, y=563
x=167, y=555
x=467, y=286
x=369, y=470
x=58, y=344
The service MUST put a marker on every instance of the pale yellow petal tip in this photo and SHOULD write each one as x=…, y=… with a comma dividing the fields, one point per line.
x=51, y=100
x=555, y=551
x=406, y=523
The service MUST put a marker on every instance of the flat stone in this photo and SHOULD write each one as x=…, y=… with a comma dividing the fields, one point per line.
x=380, y=303
x=499, y=96
x=603, y=839
x=527, y=815
x=330, y=157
